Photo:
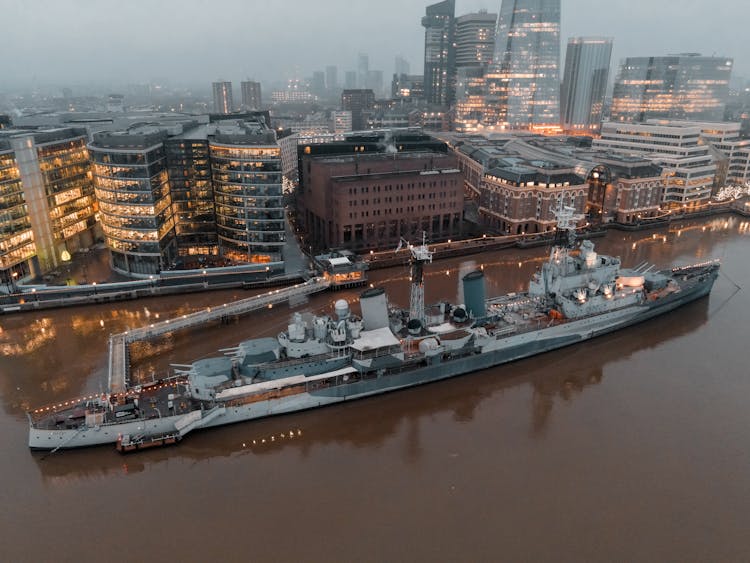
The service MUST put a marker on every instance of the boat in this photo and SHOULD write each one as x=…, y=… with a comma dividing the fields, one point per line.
x=576, y=295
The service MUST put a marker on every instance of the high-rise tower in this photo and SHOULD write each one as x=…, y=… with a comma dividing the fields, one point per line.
x=524, y=82
x=222, y=97
x=584, y=84
x=475, y=45
x=251, y=98
x=439, y=52
x=475, y=38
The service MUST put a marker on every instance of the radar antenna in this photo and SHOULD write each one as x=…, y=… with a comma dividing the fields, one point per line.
x=567, y=219
x=420, y=255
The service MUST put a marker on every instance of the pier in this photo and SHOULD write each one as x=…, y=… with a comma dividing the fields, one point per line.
x=119, y=357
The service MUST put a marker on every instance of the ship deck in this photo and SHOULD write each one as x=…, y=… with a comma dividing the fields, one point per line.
x=153, y=402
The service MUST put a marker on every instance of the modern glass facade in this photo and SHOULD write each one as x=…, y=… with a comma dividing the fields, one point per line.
x=475, y=39
x=189, y=193
x=470, y=97
x=524, y=82
x=68, y=179
x=192, y=196
x=248, y=197
x=584, y=84
x=47, y=202
x=132, y=188
x=16, y=237
x=688, y=86
x=439, y=52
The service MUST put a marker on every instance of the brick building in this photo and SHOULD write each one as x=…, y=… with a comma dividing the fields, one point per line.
x=369, y=201
x=631, y=189
x=522, y=199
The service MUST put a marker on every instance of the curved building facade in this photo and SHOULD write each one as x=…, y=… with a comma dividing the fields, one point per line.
x=135, y=206
x=246, y=173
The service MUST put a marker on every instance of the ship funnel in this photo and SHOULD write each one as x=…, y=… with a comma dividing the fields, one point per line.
x=374, y=309
x=342, y=309
x=474, y=298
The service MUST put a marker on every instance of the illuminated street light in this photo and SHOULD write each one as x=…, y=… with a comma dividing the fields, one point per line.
x=65, y=257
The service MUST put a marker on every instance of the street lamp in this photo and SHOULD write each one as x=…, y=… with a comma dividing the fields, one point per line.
x=65, y=257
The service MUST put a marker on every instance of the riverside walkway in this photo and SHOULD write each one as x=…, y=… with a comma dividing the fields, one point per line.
x=119, y=360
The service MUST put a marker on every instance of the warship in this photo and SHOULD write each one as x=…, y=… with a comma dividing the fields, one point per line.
x=576, y=295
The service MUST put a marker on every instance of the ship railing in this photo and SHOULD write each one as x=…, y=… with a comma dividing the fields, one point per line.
x=706, y=264
x=44, y=411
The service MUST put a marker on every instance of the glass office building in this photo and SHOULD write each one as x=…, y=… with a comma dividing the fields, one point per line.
x=524, y=79
x=439, y=52
x=687, y=86
x=246, y=172
x=192, y=194
x=16, y=238
x=584, y=84
x=47, y=203
x=132, y=188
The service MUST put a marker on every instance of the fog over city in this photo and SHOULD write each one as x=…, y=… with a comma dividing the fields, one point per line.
x=192, y=42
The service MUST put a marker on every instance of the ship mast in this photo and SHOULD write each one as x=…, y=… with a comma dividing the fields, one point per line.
x=565, y=239
x=567, y=219
x=420, y=255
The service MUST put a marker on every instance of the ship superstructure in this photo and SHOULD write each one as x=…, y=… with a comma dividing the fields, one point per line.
x=320, y=360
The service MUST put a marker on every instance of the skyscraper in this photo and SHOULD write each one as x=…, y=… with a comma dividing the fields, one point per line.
x=685, y=86
x=363, y=68
x=223, y=97
x=475, y=38
x=401, y=65
x=475, y=42
x=251, y=98
x=318, y=84
x=375, y=82
x=584, y=84
x=332, y=79
x=524, y=82
x=439, y=52
x=350, y=80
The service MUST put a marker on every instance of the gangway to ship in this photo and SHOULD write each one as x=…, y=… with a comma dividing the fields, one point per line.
x=119, y=363
x=197, y=419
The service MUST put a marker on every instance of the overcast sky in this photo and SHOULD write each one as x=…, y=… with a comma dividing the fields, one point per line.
x=68, y=42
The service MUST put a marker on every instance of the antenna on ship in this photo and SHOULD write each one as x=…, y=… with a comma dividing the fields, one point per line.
x=567, y=220
x=420, y=255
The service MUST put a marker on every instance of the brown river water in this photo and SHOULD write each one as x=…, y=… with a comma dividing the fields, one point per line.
x=632, y=447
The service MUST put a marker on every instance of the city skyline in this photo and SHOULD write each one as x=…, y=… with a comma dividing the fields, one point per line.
x=49, y=49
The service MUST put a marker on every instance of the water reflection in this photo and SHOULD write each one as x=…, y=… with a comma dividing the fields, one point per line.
x=574, y=369
x=556, y=378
